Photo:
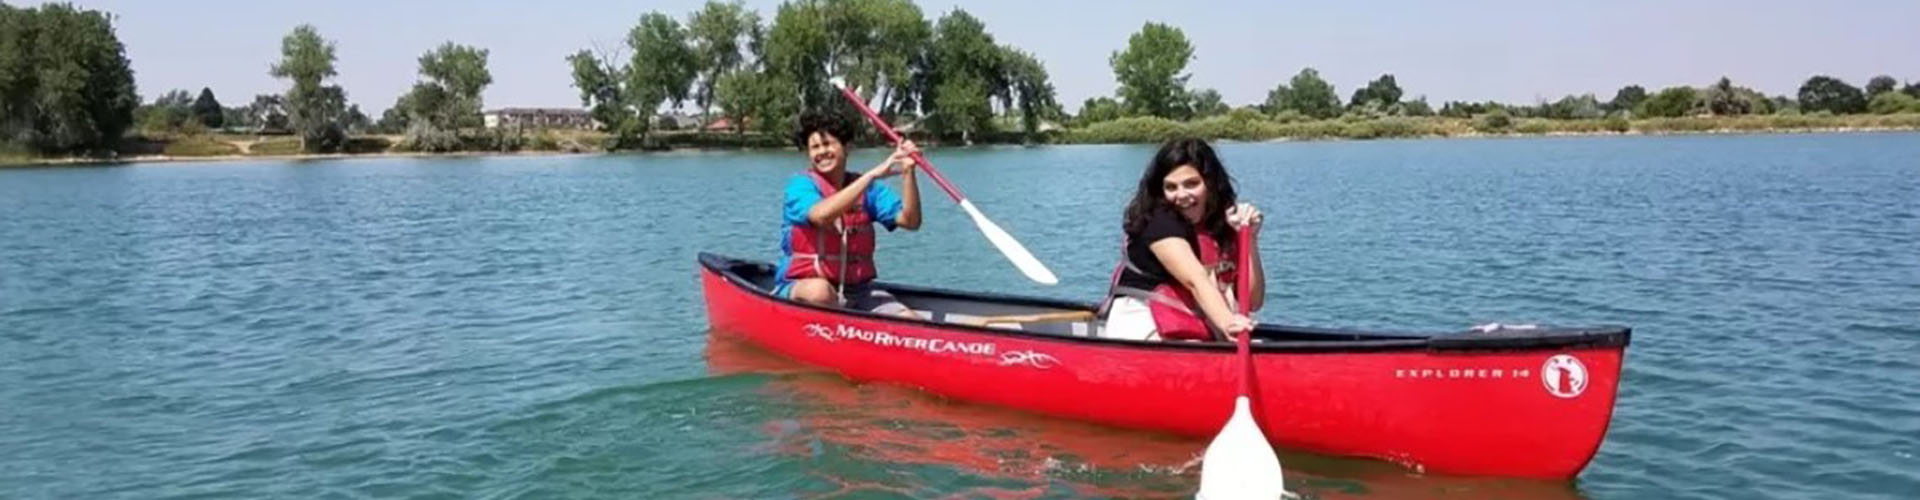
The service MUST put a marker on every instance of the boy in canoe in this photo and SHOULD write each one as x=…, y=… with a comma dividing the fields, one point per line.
x=1176, y=273
x=827, y=219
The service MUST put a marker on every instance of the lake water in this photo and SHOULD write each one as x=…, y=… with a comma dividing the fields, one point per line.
x=532, y=327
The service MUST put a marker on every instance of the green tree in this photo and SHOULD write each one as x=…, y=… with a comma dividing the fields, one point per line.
x=16, y=108
x=877, y=44
x=1099, y=109
x=268, y=112
x=1757, y=103
x=1031, y=90
x=624, y=99
x=1881, y=84
x=904, y=35
x=1417, y=107
x=1381, y=93
x=1279, y=99
x=449, y=95
x=395, y=119
x=357, y=121
x=1460, y=109
x=316, y=110
x=1782, y=103
x=1207, y=103
x=964, y=107
x=717, y=34
x=167, y=114
x=235, y=117
x=883, y=48
x=965, y=72
x=1912, y=89
x=1671, y=102
x=797, y=49
x=207, y=109
x=460, y=69
x=327, y=119
x=65, y=82
x=663, y=66
x=446, y=100
x=1825, y=93
x=1580, y=107
x=1151, y=71
x=603, y=92
x=1312, y=96
x=756, y=99
x=736, y=94
x=1724, y=99
x=1628, y=98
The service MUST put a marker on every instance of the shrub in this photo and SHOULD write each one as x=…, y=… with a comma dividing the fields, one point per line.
x=1138, y=129
x=1496, y=121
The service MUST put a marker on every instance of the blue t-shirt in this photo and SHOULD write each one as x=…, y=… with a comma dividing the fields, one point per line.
x=882, y=204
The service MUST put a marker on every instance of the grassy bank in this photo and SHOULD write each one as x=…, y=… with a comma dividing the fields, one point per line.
x=1253, y=128
x=1239, y=127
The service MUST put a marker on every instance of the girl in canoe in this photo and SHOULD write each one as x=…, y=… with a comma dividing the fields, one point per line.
x=827, y=219
x=1174, y=280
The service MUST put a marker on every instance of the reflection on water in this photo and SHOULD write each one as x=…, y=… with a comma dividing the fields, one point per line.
x=886, y=438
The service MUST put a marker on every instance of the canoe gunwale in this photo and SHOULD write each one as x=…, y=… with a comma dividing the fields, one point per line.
x=1357, y=341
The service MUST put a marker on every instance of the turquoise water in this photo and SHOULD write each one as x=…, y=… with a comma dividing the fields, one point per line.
x=531, y=327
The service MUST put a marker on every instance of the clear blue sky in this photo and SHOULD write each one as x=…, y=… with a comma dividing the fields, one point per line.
x=1515, y=51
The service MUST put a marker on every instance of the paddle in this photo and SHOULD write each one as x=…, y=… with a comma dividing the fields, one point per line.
x=1052, y=317
x=1239, y=463
x=1022, y=259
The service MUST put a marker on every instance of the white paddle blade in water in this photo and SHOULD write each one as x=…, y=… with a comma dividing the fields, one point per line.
x=1239, y=464
x=1022, y=259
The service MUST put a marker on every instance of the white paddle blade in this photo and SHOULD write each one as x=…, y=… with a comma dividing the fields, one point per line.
x=838, y=82
x=1239, y=464
x=1022, y=259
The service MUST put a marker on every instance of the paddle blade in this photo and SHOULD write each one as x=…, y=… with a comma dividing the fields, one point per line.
x=1022, y=259
x=1239, y=464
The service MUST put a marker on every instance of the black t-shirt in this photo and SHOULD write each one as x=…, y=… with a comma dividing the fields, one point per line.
x=1161, y=224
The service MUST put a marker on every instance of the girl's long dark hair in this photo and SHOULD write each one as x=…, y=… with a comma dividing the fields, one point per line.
x=1151, y=195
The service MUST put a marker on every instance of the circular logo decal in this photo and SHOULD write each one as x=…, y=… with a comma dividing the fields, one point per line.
x=1564, y=376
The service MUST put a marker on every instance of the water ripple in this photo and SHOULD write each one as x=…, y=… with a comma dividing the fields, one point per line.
x=531, y=328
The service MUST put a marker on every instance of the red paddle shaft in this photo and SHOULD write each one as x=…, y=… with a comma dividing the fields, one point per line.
x=1243, y=290
x=894, y=137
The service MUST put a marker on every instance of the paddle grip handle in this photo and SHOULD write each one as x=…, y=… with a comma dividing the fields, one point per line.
x=894, y=137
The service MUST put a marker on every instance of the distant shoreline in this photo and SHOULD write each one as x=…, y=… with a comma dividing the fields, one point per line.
x=1629, y=133
x=28, y=162
x=81, y=161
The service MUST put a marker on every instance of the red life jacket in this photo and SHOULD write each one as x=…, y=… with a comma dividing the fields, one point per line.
x=841, y=252
x=1176, y=313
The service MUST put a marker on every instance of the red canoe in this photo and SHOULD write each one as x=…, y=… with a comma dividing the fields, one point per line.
x=1510, y=402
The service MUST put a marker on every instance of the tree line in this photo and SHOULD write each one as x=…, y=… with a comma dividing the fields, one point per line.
x=1152, y=77
x=949, y=75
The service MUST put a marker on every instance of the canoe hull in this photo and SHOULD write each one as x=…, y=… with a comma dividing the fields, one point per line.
x=1516, y=412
